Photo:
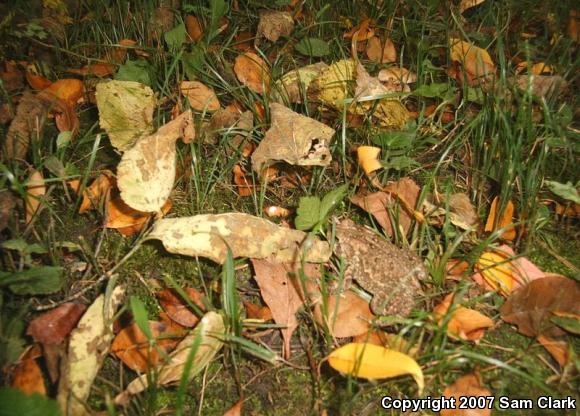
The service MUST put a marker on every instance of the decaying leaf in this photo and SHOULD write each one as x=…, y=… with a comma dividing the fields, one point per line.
x=177, y=309
x=247, y=236
x=54, y=326
x=494, y=221
x=381, y=50
x=99, y=189
x=374, y=363
x=477, y=63
x=206, y=338
x=531, y=307
x=362, y=31
x=467, y=386
x=279, y=292
x=294, y=84
x=253, y=72
x=468, y=4
x=27, y=123
x=274, y=24
x=27, y=377
x=464, y=323
x=558, y=348
x=368, y=158
x=129, y=221
x=400, y=74
x=35, y=190
x=236, y=409
x=399, y=197
x=200, y=97
x=133, y=347
x=193, y=28
x=534, y=69
x=125, y=111
x=293, y=138
x=347, y=315
x=89, y=344
x=463, y=213
x=7, y=205
x=146, y=172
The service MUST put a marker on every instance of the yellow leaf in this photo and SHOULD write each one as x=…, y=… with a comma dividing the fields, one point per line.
x=374, y=362
x=475, y=61
x=497, y=271
x=368, y=158
x=494, y=223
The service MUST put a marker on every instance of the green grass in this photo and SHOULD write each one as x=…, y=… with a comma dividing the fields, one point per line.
x=503, y=143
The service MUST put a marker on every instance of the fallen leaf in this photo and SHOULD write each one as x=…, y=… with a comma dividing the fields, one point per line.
x=11, y=76
x=135, y=350
x=247, y=236
x=244, y=41
x=254, y=311
x=253, y=72
x=236, y=409
x=542, y=86
x=37, y=82
x=99, y=69
x=127, y=220
x=477, y=63
x=390, y=341
x=69, y=90
x=347, y=315
x=277, y=212
x=362, y=31
x=88, y=346
x=464, y=323
x=54, y=326
x=293, y=138
x=467, y=386
x=146, y=172
x=400, y=74
x=27, y=377
x=534, y=69
x=205, y=338
x=274, y=24
x=194, y=28
x=567, y=321
x=7, y=205
x=125, y=111
x=374, y=363
x=96, y=193
x=572, y=29
x=404, y=192
x=27, y=123
x=243, y=181
x=294, y=84
x=35, y=190
x=177, y=308
x=381, y=50
x=530, y=308
x=200, y=97
x=368, y=158
x=495, y=221
x=281, y=296
x=463, y=213
x=558, y=349
x=468, y=4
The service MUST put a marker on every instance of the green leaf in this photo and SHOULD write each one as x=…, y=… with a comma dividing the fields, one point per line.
x=570, y=324
x=401, y=162
x=435, y=90
x=175, y=37
x=308, y=213
x=193, y=62
x=138, y=70
x=34, y=281
x=17, y=244
x=313, y=47
x=331, y=200
x=217, y=10
x=55, y=166
x=566, y=190
x=395, y=139
x=16, y=403
x=63, y=139
x=140, y=315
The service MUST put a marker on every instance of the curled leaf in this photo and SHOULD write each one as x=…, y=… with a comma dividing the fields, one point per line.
x=368, y=158
x=464, y=323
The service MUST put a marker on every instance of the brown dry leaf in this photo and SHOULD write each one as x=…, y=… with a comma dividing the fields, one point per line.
x=274, y=24
x=11, y=76
x=27, y=123
x=177, y=308
x=477, y=63
x=464, y=323
x=7, y=205
x=37, y=82
x=236, y=409
x=542, y=86
x=531, y=307
x=456, y=267
x=368, y=158
x=252, y=71
x=560, y=350
x=463, y=213
x=71, y=91
x=405, y=191
x=54, y=326
x=347, y=315
x=243, y=181
x=210, y=235
x=194, y=28
x=243, y=41
x=362, y=31
x=133, y=347
x=146, y=172
x=279, y=291
x=129, y=221
x=391, y=341
x=468, y=4
x=200, y=97
x=397, y=74
x=254, y=311
x=466, y=386
x=100, y=69
x=495, y=222
x=96, y=193
x=381, y=51
x=573, y=23
x=35, y=190
x=293, y=138
x=27, y=377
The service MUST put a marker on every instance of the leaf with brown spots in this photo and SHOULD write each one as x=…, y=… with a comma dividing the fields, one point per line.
x=177, y=308
x=54, y=326
x=146, y=172
x=252, y=71
x=466, y=386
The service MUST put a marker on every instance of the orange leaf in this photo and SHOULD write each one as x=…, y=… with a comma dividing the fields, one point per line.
x=243, y=41
x=466, y=386
x=35, y=189
x=236, y=409
x=200, y=96
x=98, y=191
x=68, y=90
x=277, y=212
x=361, y=32
x=126, y=220
x=37, y=82
x=254, y=311
x=27, y=377
x=244, y=182
x=176, y=307
x=494, y=221
x=464, y=323
x=381, y=51
x=99, y=69
x=253, y=72
x=194, y=28
x=558, y=349
x=368, y=158
x=347, y=315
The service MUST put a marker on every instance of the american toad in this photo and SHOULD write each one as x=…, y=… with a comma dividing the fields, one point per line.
x=390, y=273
